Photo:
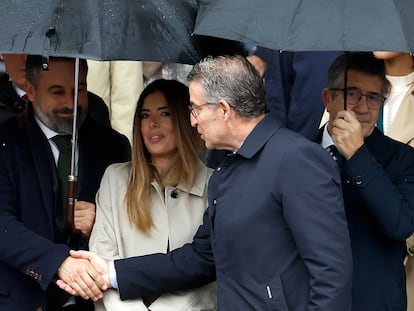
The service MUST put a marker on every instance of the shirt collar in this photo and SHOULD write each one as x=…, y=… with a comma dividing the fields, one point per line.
x=47, y=131
x=19, y=91
x=326, y=138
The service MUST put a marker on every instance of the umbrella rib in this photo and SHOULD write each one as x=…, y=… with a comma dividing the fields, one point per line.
x=404, y=31
x=291, y=24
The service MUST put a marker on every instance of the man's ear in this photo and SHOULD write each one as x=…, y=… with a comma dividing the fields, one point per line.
x=326, y=98
x=30, y=90
x=224, y=108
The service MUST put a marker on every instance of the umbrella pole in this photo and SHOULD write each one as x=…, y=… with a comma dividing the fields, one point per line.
x=70, y=209
x=346, y=78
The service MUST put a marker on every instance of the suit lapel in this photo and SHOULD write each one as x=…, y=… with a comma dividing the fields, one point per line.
x=42, y=160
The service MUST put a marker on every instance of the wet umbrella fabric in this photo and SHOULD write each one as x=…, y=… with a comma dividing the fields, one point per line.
x=311, y=25
x=156, y=30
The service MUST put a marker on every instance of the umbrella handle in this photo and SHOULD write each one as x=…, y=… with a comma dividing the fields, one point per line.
x=70, y=208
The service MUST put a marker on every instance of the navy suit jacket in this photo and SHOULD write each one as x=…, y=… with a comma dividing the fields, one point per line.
x=29, y=258
x=274, y=235
x=294, y=82
x=378, y=187
x=10, y=103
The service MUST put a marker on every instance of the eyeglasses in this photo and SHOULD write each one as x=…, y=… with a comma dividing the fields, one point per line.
x=354, y=95
x=196, y=109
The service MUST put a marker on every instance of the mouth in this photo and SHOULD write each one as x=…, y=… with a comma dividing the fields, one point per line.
x=64, y=115
x=155, y=138
x=66, y=112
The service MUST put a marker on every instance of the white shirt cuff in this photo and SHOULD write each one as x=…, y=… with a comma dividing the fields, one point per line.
x=112, y=275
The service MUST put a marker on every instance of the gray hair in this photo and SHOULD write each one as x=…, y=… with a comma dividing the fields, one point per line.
x=233, y=79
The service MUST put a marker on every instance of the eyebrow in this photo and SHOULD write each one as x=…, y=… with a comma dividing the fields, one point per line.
x=160, y=108
x=368, y=92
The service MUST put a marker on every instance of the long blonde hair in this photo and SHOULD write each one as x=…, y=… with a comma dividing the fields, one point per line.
x=185, y=165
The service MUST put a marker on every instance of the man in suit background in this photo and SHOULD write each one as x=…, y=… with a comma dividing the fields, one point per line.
x=11, y=101
x=294, y=82
x=12, y=93
x=274, y=235
x=377, y=176
x=34, y=243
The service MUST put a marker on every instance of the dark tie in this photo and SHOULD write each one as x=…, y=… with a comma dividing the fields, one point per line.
x=333, y=151
x=335, y=154
x=63, y=143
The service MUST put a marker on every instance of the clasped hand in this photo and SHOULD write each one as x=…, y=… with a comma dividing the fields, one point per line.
x=84, y=274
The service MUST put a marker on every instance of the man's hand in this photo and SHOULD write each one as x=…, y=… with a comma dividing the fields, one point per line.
x=346, y=133
x=79, y=277
x=84, y=217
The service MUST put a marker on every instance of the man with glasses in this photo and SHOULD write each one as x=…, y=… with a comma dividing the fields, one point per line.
x=377, y=177
x=274, y=235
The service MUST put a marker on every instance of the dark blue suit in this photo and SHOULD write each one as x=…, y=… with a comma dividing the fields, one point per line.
x=274, y=235
x=29, y=258
x=378, y=187
x=294, y=82
x=10, y=103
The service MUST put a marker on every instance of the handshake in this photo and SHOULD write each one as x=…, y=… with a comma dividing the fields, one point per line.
x=84, y=274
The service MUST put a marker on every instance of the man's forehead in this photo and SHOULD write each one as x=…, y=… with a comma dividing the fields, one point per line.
x=365, y=81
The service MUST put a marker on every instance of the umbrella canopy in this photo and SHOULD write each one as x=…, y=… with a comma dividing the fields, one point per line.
x=156, y=30
x=311, y=25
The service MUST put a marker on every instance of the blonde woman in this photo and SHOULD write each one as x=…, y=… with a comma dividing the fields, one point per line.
x=156, y=202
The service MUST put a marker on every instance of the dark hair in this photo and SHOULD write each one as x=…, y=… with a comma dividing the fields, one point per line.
x=34, y=63
x=364, y=62
x=233, y=79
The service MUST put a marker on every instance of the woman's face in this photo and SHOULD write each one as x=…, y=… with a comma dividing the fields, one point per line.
x=157, y=127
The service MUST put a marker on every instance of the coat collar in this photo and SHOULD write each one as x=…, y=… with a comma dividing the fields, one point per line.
x=199, y=185
x=42, y=157
x=258, y=137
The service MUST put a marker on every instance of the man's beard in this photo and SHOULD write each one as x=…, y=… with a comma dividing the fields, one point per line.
x=58, y=124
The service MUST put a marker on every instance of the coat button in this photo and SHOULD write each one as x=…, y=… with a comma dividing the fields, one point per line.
x=358, y=180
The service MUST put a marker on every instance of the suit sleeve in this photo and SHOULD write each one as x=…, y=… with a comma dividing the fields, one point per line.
x=22, y=248
x=389, y=194
x=314, y=210
x=189, y=266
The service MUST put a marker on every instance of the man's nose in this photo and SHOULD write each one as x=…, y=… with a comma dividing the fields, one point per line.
x=362, y=106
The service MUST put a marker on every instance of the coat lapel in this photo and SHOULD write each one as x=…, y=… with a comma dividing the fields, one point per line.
x=42, y=160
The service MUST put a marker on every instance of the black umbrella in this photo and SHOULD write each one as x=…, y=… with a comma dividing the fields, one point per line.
x=311, y=25
x=156, y=30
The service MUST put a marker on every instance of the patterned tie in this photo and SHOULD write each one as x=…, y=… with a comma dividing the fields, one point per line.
x=336, y=155
x=333, y=151
x=63, y=143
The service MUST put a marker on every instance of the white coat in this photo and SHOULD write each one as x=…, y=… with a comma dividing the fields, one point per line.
x=176, y=214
